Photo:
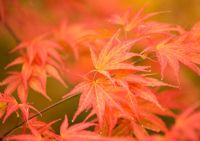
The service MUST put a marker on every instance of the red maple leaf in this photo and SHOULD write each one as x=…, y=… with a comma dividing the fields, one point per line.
x=129, y=22
x=173, y=52
x=78, y=132
x=187, y=126
x=13, y=106
x=95, y=94
x=114, y=56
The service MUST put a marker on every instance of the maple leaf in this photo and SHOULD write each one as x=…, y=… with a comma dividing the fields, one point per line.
x=126, y=127
x=137, y=85
x=187, y=126
x=78, y=132
x=40, y=48
x=113, y=57
x=13, y=106
x=147, y=119
x=21, y=81
x=173, y=53
x=129, y=22
x=69, y=36
x=96, y=95
x=130, y=127
x=43, y=52
x=136, y=89
x=33, y=75
x=102, y=97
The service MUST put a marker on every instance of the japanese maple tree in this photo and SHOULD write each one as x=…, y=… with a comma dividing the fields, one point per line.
x=125, y=67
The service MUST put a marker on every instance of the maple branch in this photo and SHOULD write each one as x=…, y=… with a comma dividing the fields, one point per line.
x=10, y=31
x=37, y=114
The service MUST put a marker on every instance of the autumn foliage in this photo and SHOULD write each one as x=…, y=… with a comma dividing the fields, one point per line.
x=124, y=65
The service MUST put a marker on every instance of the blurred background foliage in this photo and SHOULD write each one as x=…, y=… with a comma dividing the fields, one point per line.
x=182, y=12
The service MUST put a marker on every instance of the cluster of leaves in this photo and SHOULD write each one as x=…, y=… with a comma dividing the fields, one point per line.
x=120, y=93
